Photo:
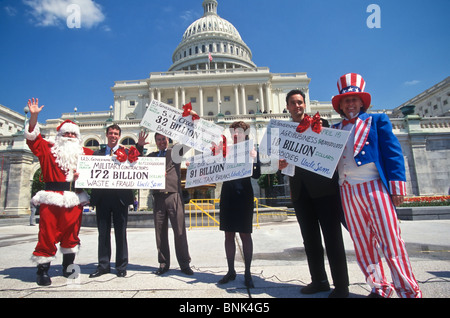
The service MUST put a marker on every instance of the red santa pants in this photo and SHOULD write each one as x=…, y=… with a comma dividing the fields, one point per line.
x=373, y=226
x=57, y=225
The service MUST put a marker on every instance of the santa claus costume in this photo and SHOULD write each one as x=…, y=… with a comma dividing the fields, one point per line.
x=61, y=205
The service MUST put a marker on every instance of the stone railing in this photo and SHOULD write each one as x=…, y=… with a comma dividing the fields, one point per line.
x=435, y=122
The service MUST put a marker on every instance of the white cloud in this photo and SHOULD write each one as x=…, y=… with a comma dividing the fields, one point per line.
x=54, y=12
x=188, y=16
x=10, y=11
x=411, y=83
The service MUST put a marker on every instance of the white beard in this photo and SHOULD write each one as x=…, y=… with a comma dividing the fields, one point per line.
x=66, y=151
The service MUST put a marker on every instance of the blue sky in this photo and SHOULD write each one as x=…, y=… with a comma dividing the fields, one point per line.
x=40, y=56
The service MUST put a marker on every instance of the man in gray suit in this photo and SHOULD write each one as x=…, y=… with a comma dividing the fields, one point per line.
x=168, y=204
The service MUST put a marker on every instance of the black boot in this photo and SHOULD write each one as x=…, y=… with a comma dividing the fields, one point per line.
x=42, y=278
x=67, y=261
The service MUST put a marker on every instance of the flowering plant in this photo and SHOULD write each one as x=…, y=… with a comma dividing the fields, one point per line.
x=442, y=200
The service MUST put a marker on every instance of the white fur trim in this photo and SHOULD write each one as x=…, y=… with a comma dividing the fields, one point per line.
x=69, y=127
x=42, y=259
x=32, y=135
x=73, y=250
x=66, y=200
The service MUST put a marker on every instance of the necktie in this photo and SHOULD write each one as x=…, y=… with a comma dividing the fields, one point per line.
x=346, y=121
x=161, y=153
x=111, y=152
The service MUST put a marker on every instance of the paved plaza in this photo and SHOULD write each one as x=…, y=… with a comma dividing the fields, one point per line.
x=279, y=265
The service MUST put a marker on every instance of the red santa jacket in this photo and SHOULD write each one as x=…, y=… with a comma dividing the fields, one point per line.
x=53, y=173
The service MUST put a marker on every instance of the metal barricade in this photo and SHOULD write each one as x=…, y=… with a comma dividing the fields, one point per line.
x=204, y=213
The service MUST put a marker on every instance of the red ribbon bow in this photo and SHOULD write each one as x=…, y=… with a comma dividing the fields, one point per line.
x=133, y=154
x=187, y=111
x=349, y=121
x=222, y=147
x=315, y=123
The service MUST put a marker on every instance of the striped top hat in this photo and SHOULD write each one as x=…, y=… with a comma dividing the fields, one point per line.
x=351, y=84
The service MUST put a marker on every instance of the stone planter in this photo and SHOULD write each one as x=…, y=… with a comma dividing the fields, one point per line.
x=424, y=213
x=135, y=219
x=407, y=110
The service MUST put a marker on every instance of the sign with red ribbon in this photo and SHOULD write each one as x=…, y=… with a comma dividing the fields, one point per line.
x=182, y=126
x=121, y=170
x=307, y=145
x=227, y=163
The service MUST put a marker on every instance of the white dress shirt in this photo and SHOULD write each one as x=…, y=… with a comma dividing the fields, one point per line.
x=348, y=170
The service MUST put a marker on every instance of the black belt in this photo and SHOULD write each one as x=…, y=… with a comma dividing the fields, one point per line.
x=59, y=186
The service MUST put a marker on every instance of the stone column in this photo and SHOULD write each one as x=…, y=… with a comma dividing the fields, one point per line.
x=423, y=172
x=183, y=96
x=175, y=101
x=243, y=96
x=236, y=99
x=152, y=94
x=261, y=98
x=218, y=99
x=18, y=189
x=200, y=97
x=268, y=98
x=158, y=93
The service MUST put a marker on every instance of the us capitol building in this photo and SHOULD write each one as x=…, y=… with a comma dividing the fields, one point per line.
x=213, y=69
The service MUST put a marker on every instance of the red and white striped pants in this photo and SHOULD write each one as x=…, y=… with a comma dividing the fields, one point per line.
x=373, y=226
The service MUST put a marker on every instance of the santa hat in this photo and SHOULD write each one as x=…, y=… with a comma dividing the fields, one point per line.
x=348, y=85
x=68, y=126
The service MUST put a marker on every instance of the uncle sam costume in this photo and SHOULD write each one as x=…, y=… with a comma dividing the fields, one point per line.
x=372, y=169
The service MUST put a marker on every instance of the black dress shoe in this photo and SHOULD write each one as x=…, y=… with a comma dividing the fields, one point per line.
x=187, y=271
x=227, y=278
x=99, y=272
x=121, y=273
x=374, y=295
x=339, y=292
x=315, y=288
x=161, y=270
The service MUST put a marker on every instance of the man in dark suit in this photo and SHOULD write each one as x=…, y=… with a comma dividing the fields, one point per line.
x=111, y=202
x=317, y=206
x=168, y=204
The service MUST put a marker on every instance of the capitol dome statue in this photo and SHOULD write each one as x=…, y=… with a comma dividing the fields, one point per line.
x=211, y=38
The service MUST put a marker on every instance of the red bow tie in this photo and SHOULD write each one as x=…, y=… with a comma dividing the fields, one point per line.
x=351, y=121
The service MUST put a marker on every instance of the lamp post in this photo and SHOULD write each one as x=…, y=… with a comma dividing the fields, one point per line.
x=75, y=115
x=25, y=110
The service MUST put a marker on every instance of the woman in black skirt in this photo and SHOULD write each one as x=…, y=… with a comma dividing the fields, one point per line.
x=236, y=211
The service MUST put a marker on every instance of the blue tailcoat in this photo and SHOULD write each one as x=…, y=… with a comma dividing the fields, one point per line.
x=375, y=142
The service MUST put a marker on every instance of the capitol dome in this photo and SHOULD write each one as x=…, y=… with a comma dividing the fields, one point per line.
x=211, y=37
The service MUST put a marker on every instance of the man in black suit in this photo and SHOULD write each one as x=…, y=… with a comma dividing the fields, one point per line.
x=168, y=204
x=111, y=202
x=318, y=207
